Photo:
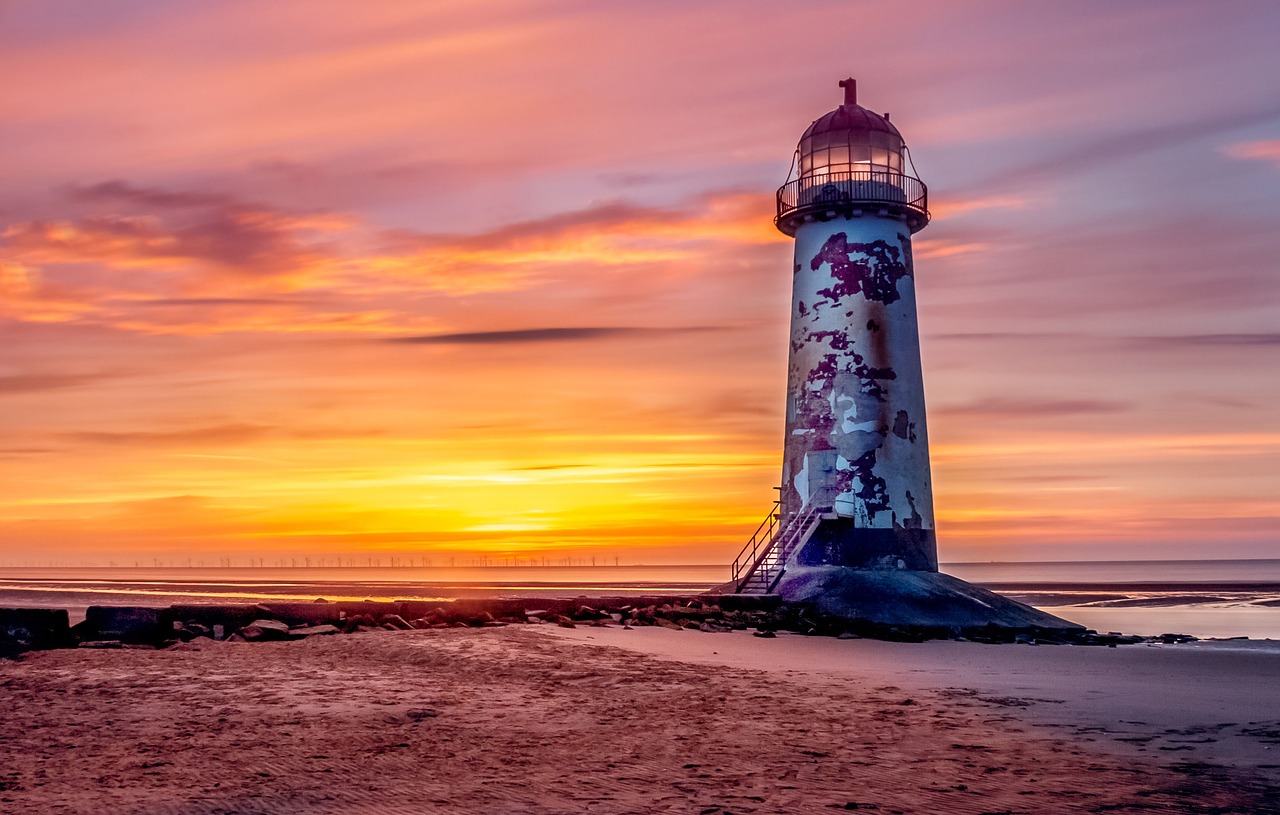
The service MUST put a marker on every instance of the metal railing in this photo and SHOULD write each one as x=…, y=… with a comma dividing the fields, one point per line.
x=872, y=187
x=763, y=536
x=764, y=571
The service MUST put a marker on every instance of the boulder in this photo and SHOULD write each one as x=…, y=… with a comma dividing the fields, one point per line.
x=266, y=630
x=133, y=624
x=197, y=629
x=183, y=633
x=395, y=622
x=23, y=629
x=228, y=615
x=315, y=630
x=303, y=613
x=366, y=607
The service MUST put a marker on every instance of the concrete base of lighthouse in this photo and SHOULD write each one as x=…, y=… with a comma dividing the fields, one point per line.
x=913, y=599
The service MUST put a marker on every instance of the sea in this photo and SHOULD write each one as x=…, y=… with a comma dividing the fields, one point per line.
x=1210, y=599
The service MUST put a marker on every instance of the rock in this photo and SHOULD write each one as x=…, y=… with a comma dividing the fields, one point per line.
x=228, y=615
x=136, y=624
x=351, y=624
x=468, y=608
x=303, y=613
x=190, y=630
x=23, y=629
x=764, y=634
x=367, y=607
x=665, y=623
x=848, y=635
x=315, y=630
x=395, y=622
x=565, y=622
x=101, y=644
x=265, y=630
x=712, y=628
x=183, y=633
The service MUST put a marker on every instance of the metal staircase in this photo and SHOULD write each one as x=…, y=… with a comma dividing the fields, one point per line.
x=761, y=564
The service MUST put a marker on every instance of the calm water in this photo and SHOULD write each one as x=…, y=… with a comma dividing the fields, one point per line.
x=1212, y=598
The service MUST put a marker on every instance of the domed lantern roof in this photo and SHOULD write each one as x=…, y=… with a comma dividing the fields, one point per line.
x=848, y=161
x=851, y=117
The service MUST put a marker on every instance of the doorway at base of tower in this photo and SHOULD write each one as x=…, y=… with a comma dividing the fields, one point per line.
x=840, y=542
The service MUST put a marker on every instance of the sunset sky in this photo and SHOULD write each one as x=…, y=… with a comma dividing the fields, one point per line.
x=318, y=278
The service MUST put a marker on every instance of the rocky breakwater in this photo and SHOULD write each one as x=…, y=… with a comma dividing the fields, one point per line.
x=150, y=628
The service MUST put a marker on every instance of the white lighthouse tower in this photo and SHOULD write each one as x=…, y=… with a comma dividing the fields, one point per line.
x=856, y=448
x=853, y=530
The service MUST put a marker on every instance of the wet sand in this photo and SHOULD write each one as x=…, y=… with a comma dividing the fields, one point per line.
x=544, y=720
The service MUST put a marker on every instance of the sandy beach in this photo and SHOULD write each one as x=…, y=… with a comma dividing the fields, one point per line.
x=537, y=719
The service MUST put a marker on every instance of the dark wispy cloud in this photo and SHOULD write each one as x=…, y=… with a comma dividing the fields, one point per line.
x=120, y=224
x=121, y=192
x=37, y=383
x=1245, y=340
x=535, y=335
x=1029, y=408
x=178, y=302
x=216, y=434
x=1124, y=146
x=212, y=434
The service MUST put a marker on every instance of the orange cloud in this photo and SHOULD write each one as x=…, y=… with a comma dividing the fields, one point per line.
x=169, y=261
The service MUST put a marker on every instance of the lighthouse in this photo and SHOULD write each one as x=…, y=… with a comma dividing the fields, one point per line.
x=853, y=529
x=856, y=448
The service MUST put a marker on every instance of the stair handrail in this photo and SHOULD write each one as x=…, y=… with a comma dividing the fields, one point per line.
x=764, y=534
x=802, y=532
x=787, y=535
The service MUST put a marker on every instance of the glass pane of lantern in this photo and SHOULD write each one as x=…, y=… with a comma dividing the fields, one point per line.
x=887, y=140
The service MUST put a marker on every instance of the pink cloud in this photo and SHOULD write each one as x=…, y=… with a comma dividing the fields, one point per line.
x=1268, y=150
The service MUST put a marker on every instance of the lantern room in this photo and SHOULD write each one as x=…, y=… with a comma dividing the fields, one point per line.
x=850, y=139
x=849, y=163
